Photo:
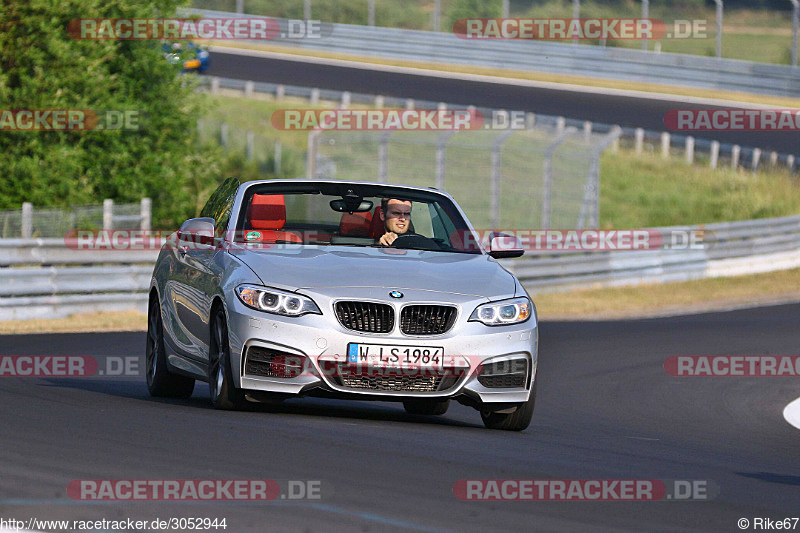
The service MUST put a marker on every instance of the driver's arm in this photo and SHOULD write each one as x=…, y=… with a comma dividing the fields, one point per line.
x=387, y=238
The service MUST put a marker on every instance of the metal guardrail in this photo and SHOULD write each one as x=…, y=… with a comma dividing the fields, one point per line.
x=38, y=277
x=558, y=58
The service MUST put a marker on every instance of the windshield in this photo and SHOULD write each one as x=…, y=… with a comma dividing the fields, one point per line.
x=351, y=215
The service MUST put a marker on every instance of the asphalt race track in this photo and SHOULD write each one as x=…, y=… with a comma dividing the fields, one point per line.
x=607, y=410
x=647, y=113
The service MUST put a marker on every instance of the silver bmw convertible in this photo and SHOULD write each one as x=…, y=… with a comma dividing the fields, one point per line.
x=351, y=290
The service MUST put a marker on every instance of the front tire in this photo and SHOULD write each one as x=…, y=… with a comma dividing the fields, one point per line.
x=160, y=382
x=516, y=421
x=426, y=407
x=223, y=392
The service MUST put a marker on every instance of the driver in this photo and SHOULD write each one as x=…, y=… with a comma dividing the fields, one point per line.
x=396, y=217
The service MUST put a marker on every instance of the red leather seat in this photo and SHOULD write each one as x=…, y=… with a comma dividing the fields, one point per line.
x=377, y=229
x=356, y=224
x=268, y=216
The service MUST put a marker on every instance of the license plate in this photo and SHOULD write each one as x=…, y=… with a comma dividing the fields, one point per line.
x=389, y=354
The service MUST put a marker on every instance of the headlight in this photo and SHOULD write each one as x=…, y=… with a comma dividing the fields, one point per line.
x=503, y=313
x=276, y=301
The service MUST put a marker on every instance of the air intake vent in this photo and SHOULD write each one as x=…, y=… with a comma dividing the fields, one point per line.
x=427, y=319
x=366, y=316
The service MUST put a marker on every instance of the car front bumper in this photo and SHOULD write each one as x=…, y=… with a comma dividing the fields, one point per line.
x=318, y=339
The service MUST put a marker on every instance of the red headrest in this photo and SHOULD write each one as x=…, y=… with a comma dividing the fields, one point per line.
x=356, y=224
x=377, y=229
x=268, y=211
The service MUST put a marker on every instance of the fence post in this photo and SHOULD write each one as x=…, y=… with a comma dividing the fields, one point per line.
x=306, y=9
x=345, y=100
x=214, y=85
x=441, y=158
x=277, y=158
x=223, y=134
x=665, y=143
x=371, y=13
x=736, y=151
x=27, y=220
x=436, y=15
x=756, y=158
x=547, y=175
x=249, y=147
x=591, y=198
x=409, y=103
x=506, y=8
x=561, y=123
x=689, y=149
x=530, y=121
x=773, y=159
x=240, y=6
x=380, y=101
x=576, y=14
x=383, y=157
x=639, y=135
x=108, y=214
x=146, y=212
x=311, y=154
x=790, y=162
x=719, y=27
x=587, y=131
x=645, y=15
x=248, y=88
x=496, y=174
x=714, y=154
x=314, y=97
x=280, y=92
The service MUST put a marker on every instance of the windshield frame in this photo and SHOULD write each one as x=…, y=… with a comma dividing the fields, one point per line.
x=340, y=188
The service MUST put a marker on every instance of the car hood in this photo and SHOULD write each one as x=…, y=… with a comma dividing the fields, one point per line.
x=318, y=267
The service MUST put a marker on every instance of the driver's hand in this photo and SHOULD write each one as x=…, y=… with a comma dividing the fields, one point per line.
x=388, y=238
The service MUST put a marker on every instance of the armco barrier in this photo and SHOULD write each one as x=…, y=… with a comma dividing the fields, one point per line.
x=44, y=278
x=559, y=58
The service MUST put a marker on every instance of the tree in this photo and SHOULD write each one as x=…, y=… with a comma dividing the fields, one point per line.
x=42, y=67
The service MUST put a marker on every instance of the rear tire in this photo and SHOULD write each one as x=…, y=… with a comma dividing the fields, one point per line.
x=426, y=407
x=516, y=421
x=223, y=392
x=160, y=382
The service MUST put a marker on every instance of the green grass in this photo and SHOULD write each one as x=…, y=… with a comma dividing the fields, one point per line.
x=636, y=190
x=639, y=191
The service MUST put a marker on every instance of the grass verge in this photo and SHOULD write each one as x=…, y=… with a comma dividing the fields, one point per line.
x=671, y=298
x=111, y=321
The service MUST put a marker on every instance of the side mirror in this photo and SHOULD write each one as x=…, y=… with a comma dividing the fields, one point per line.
x=197, y=233
x=503, y=246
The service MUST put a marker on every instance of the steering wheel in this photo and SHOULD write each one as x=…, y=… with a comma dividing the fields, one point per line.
x=413, y=240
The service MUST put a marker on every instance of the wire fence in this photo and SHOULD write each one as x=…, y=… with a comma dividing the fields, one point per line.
x=46, y=222
x=542, y=176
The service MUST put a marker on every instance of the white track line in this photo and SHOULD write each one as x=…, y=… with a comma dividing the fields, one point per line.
x=488, y=79
x=792, y=413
